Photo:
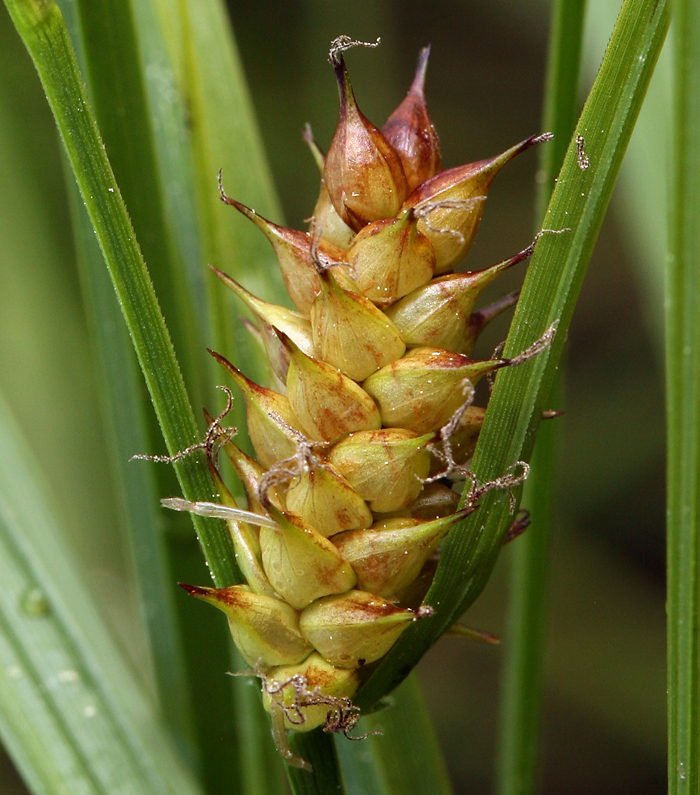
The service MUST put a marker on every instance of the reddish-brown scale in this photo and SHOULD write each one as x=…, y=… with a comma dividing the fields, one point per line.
x=411, y=132
x=362, y=172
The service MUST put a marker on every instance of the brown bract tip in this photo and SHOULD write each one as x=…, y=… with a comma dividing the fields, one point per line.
x=418, y=84
x=194, y=590
x=527, y=143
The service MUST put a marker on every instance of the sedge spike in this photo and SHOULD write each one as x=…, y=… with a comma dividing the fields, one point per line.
x=362, y=450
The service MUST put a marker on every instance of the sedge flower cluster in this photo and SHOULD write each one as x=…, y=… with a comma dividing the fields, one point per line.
x=358, y=446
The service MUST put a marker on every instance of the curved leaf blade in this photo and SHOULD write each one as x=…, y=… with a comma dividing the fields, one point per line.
x=70, y=711
x=42, y=29
x=549, y=295
x=522, y=677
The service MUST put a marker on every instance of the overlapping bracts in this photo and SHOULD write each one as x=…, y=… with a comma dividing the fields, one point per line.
x=352, y=479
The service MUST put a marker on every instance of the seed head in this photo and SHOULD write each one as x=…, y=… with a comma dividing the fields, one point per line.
x=439, y=314
x=350, y=332
x=326, y=501
x=435, y=501
x=291, y=323
x=249, y=473
x=325, y=217
x=327, y=403
x=389, y=555
x=293, y=251
x=371, y=421
x=422, y=390
x=385, y=467
x=246, y=541
x=269, y=416
x=450, y=205
x=305, y=694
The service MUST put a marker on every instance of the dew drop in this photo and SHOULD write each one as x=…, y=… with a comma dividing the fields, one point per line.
x=35, y=603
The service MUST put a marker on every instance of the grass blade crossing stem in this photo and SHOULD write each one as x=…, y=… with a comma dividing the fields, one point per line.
x=41, y=27
x=529, y=558
x=549, y=295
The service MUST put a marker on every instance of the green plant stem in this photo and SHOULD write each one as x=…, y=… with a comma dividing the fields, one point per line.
x=683, y=402
x=549, y=295
x=41, y=27
x=526, y=626
x=523, y=671
x=404, y=757
x=318, y=749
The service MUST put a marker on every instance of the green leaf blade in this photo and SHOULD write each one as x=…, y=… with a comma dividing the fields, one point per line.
x=127, y=424
x=522, y=678
x=117, y=86
x=549, y=294
x=683, y=412
x=70, y=711
x=45, y=36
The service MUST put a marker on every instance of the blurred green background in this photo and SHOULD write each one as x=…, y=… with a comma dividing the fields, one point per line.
x=604, y=718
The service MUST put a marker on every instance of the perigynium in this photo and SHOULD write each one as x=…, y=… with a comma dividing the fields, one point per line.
x=363, y=444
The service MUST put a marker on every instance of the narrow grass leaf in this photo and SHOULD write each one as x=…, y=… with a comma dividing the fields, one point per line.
x=128, y=431
x=71, y=714
x=683, y=402
x=43, y=31
x=44, y=352
x=149, y=140
x=212, y=696
x=523, y=666
x=549, y=296
x=116, y=82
